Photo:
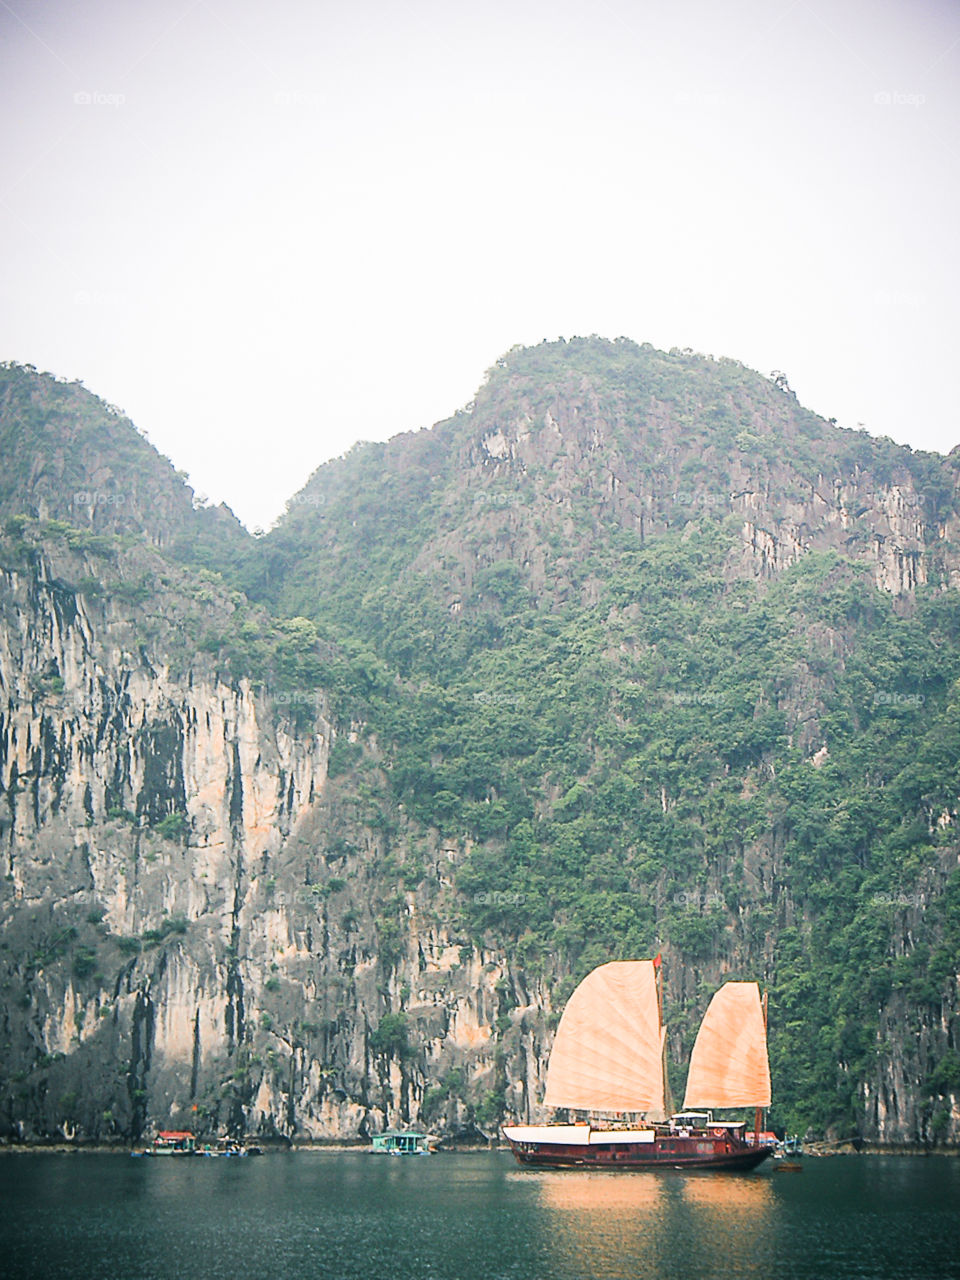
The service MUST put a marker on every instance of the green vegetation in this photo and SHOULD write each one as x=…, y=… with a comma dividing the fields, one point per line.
x=555, y=657
x=169, y=926
x=84, y=962
x=173, y=826
x=749, y=775
x=453, y=1085
x=389, y=1038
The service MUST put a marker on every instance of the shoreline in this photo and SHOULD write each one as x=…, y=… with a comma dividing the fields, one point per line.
x=812, y=1150
x=818, y=1150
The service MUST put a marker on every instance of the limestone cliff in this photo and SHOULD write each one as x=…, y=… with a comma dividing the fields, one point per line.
x=192, y=911
x=224, y=902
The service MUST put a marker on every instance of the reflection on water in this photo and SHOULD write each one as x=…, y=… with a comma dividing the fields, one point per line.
x=729, y=1192
x=606, y=1193
x=720, y=1223
x=472, y=1217
x=730, y=1216
x=592, y=1221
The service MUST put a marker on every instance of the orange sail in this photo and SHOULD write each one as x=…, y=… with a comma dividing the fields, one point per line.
x=608, y=1052
x=729, y=1065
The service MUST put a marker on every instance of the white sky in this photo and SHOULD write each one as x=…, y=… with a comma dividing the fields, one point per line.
x=268, y=230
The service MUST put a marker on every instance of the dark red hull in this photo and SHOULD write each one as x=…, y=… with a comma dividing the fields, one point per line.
x=663, y=1153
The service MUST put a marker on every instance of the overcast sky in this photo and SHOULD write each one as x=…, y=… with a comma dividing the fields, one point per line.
x=268, y=230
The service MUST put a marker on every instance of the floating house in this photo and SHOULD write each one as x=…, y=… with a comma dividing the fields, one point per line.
x=393, y=1142
x=174, y=1142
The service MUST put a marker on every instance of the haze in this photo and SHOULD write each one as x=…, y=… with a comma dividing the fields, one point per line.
x=267, y=232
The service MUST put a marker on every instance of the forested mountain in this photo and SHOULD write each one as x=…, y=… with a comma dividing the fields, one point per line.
x=311, y=832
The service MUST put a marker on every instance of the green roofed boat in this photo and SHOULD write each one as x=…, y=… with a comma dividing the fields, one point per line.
x=394, y=1142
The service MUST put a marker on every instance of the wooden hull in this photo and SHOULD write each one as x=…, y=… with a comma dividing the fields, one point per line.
x=168, y=1153
x=699, y=1151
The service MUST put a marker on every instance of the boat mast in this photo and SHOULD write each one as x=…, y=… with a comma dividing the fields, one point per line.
x=667, y=1096
x=758, y=1114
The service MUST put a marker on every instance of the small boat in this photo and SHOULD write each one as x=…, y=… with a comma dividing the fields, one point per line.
x=609, y=1057
x=231, y=1147
x=786, y=1153
x=395, y=1142
x=171, y=1142
x=224, y=1147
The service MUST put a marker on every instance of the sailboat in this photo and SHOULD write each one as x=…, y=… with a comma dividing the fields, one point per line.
x=609, y=1057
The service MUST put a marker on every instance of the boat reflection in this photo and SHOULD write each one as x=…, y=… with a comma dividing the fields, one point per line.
x=593, y=1221
x=730, y=1217
x=728, y=1193
x=589, y=1192
x=595, y=1224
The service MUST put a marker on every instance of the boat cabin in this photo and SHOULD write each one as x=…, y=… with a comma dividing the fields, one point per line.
x=169, y=1141
x=691, y=1120
x=393, y=1142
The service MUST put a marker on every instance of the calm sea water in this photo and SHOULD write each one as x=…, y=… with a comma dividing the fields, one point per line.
x=300, y=1215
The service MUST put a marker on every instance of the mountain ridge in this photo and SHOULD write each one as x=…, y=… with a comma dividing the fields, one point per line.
x=545, y=432
x=632, y=654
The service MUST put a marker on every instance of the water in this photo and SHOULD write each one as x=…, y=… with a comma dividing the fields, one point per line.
x=301, y=1215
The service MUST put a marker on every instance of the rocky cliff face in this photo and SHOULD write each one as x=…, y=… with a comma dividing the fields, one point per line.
x=193, y=927
x=781, y=479
x=557, y=455
x=209, y=917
